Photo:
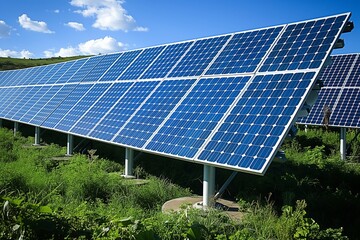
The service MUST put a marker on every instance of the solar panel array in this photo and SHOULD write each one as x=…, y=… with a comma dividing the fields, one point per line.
x=341, y=93
x=228, y=101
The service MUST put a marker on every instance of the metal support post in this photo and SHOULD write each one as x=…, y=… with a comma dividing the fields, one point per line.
x=69, y=145
x=1, y=123
x=129, y=162
x=208, y=186
x=343, y=143
x=16, y=127
x=306, y=128
x=37, y=136
x=226, y=184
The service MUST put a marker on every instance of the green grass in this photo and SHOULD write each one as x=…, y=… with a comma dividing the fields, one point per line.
x=18, y=63
x=86, y=198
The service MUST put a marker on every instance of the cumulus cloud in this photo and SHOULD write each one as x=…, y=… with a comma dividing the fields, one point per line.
x=4, y=29
x=15, y=54
x=109, y=14
x=57, y=11
x=37, y=26
x=75, y=25
x=91, y=47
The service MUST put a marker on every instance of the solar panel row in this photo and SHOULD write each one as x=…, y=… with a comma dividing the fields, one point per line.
x=227, y=100
x=341, y=93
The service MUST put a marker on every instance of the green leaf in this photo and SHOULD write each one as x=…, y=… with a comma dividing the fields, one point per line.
x=45, y=209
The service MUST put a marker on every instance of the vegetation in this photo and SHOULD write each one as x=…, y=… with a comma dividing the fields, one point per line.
x=18, y=63
x=86, y=198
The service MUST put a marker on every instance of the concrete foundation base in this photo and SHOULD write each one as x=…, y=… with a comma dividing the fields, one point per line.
x=229, y=207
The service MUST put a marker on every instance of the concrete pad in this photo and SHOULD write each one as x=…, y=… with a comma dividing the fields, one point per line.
x=229, y=207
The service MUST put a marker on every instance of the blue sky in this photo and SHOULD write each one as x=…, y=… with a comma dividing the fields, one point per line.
x=47, y=28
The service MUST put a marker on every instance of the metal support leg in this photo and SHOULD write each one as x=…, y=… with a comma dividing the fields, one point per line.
x=1, y=123
x=69, y=145
x=37, y=136
x=208, y=186
x=226, y=184
x=306, y=128
x=343, y=143
x=16, y=127
x=129, y=162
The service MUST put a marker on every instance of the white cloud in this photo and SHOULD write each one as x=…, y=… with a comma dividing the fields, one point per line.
x=91, y=47
x=4, y=29
x=37, y=26
x=57, y=11
x=109, y=14
x=15, y=54
x=76, y=26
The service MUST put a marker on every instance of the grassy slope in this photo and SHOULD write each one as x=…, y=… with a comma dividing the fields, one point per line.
x=18, y=63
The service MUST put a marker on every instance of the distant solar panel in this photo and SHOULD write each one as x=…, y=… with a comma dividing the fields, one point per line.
x=228, y=101
x=340, y=93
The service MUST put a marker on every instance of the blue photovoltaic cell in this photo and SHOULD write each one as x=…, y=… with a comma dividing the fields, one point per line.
x=244, y=51
x=96, y=73
x=120, y=65
x=354, y=77
x=168, y=58
x=336, y=73
x=15, y=79
x=64, y=67
x=29, y=100
x=80, y=108
x=328, y=97
x=147, y=119
x=44, y=96
x=88, y=65
x=122, y=110
x=54, y=68
x=66, y=105
x=8, y=80
x=19, y=78
x=96, y=112
x=26, y=77
x=11, y=95
x=197, y=115
x=67, y=76
x=35, y=74
x=259, y=119
x=141, y=63
x=347, y=111
x=49, y=106
x=304, y=45
x=16, y=101
x=198, y=57
x=6, y=98
x=42, y=73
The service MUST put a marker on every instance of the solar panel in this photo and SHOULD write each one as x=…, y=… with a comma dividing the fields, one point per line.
x=64, y=106
x=70, y=118
x=120, y=65
x=199, y=56
x=139, y=128
x=166, y=61
x=101, y=106
x=227, y=101
x=141, y=63
x=100, y=69
x=340, y=93
x=244, y=51
x=122, y=109
x=192, y=121
x=74, y=73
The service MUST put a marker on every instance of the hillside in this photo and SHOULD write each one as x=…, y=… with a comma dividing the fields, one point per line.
x=17, y=63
